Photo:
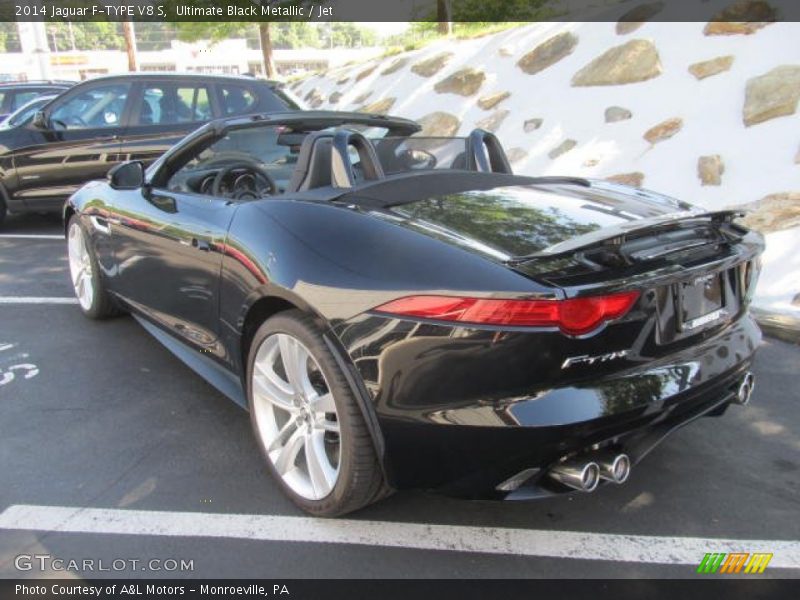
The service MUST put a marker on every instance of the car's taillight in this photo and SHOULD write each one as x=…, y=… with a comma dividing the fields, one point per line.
x=750, y=272
x=575, y=316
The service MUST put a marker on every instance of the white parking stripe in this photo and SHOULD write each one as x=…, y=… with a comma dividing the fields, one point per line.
x=36, y=300
x=30, y=236
x=457, y=538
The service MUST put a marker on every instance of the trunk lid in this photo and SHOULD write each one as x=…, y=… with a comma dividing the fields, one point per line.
x=695, y=269
x=527, y=226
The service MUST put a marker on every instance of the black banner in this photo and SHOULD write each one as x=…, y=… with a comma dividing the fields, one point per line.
x=343, y=589
x=401, y=10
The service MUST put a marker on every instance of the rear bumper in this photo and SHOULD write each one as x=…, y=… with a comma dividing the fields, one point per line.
x=466, y=447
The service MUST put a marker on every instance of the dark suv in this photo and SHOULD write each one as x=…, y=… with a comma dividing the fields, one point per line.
x=99, y=123
x=16, y=93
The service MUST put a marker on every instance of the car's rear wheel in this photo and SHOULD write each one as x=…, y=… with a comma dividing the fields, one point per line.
x=90, y=290
x=3, y=209
x=308, y=424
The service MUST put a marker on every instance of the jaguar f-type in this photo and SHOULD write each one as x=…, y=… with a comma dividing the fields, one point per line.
x=398, y=310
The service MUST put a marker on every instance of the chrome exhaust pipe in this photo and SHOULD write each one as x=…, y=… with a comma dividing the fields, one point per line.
x=614, y=467
x=745, y=390
x=577, y=474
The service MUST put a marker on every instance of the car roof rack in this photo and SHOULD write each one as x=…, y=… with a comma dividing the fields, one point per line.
x=38, y=82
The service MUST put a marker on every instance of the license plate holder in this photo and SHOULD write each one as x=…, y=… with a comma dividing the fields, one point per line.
x=700, y=302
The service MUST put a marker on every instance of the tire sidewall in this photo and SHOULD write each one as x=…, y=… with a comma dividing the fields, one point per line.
x=95, y=310
x=294, y=324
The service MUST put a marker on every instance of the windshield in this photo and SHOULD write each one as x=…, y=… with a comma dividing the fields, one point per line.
x=25, y=113
x=289, y=98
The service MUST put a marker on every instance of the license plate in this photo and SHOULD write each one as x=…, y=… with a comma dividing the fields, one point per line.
x=701, y=302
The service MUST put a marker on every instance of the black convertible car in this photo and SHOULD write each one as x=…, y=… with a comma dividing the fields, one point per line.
x=403, y=311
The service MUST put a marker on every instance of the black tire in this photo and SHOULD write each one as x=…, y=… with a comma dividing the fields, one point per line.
x=360, y=479
x=3, y=209
x=102, y=304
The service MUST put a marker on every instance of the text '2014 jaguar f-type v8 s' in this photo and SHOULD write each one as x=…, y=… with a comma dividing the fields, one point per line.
x=402, y=311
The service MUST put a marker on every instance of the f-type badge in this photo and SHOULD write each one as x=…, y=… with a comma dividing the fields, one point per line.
x=585, y=359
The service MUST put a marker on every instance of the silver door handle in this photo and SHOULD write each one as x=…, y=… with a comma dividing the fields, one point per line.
x=100, y=224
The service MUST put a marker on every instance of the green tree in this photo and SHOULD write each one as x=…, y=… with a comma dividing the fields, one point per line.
x=192, y=31
x=218, y=30
x=9, y=37
x=498, y=11
x=295, y=34
x=87, y=35
x=154, y=36
x=213, y=31
x=346, y=35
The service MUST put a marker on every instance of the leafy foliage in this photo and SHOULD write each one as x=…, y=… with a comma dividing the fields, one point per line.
x=90, y=35
x=9, y=38
x=346, y=35
x=154, y=36
x=500, y=11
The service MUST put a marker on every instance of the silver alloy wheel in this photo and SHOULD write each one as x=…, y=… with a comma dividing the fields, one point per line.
x=295, y=416
x=80, y=266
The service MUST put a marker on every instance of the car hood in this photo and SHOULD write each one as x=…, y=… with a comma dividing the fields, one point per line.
x=522, y=220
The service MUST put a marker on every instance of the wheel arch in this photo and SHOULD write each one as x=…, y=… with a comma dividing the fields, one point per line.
x=258, y=312
x=3, y=201
x=268, y=306
x=69, y=210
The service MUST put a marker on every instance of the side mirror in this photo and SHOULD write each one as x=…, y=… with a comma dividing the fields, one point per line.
x=40, y=120
x=127, y=176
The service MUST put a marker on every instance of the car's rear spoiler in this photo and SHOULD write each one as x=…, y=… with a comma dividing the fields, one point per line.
x=621, y=233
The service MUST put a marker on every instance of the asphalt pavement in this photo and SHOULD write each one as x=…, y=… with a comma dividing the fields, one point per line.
x=98, y=415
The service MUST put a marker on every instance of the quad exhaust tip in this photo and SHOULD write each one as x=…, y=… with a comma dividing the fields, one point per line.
x=615, y=468
x=746, y=387
x=579, y=475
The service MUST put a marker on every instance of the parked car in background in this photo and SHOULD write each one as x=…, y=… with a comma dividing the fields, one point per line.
x=25, y=112
x=102, y=122
x=14, y=95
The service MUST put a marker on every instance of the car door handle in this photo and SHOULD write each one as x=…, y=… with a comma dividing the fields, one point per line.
x=201, y=245
x=101, y=224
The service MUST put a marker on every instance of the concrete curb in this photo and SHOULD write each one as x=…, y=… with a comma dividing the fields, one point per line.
x=784, y=325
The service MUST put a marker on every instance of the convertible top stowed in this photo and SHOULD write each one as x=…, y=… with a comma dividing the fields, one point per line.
x=401, y=311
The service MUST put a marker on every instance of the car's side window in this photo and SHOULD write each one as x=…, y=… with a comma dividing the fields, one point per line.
x=22, y=98
x=170, y=103
x=237, y=100
x=99, y=106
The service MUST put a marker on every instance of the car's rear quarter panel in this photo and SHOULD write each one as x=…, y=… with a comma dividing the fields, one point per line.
x=463, y=407
x=338, y=263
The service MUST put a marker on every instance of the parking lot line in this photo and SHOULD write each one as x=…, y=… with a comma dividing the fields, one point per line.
x=30, y=236
x=36, y=300
x=421, y=536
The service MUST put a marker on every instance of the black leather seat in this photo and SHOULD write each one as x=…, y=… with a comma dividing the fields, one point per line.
x=313, y=168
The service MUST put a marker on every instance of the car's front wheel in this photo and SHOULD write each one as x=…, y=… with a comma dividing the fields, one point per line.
x=307, y=422
x=90, y=290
